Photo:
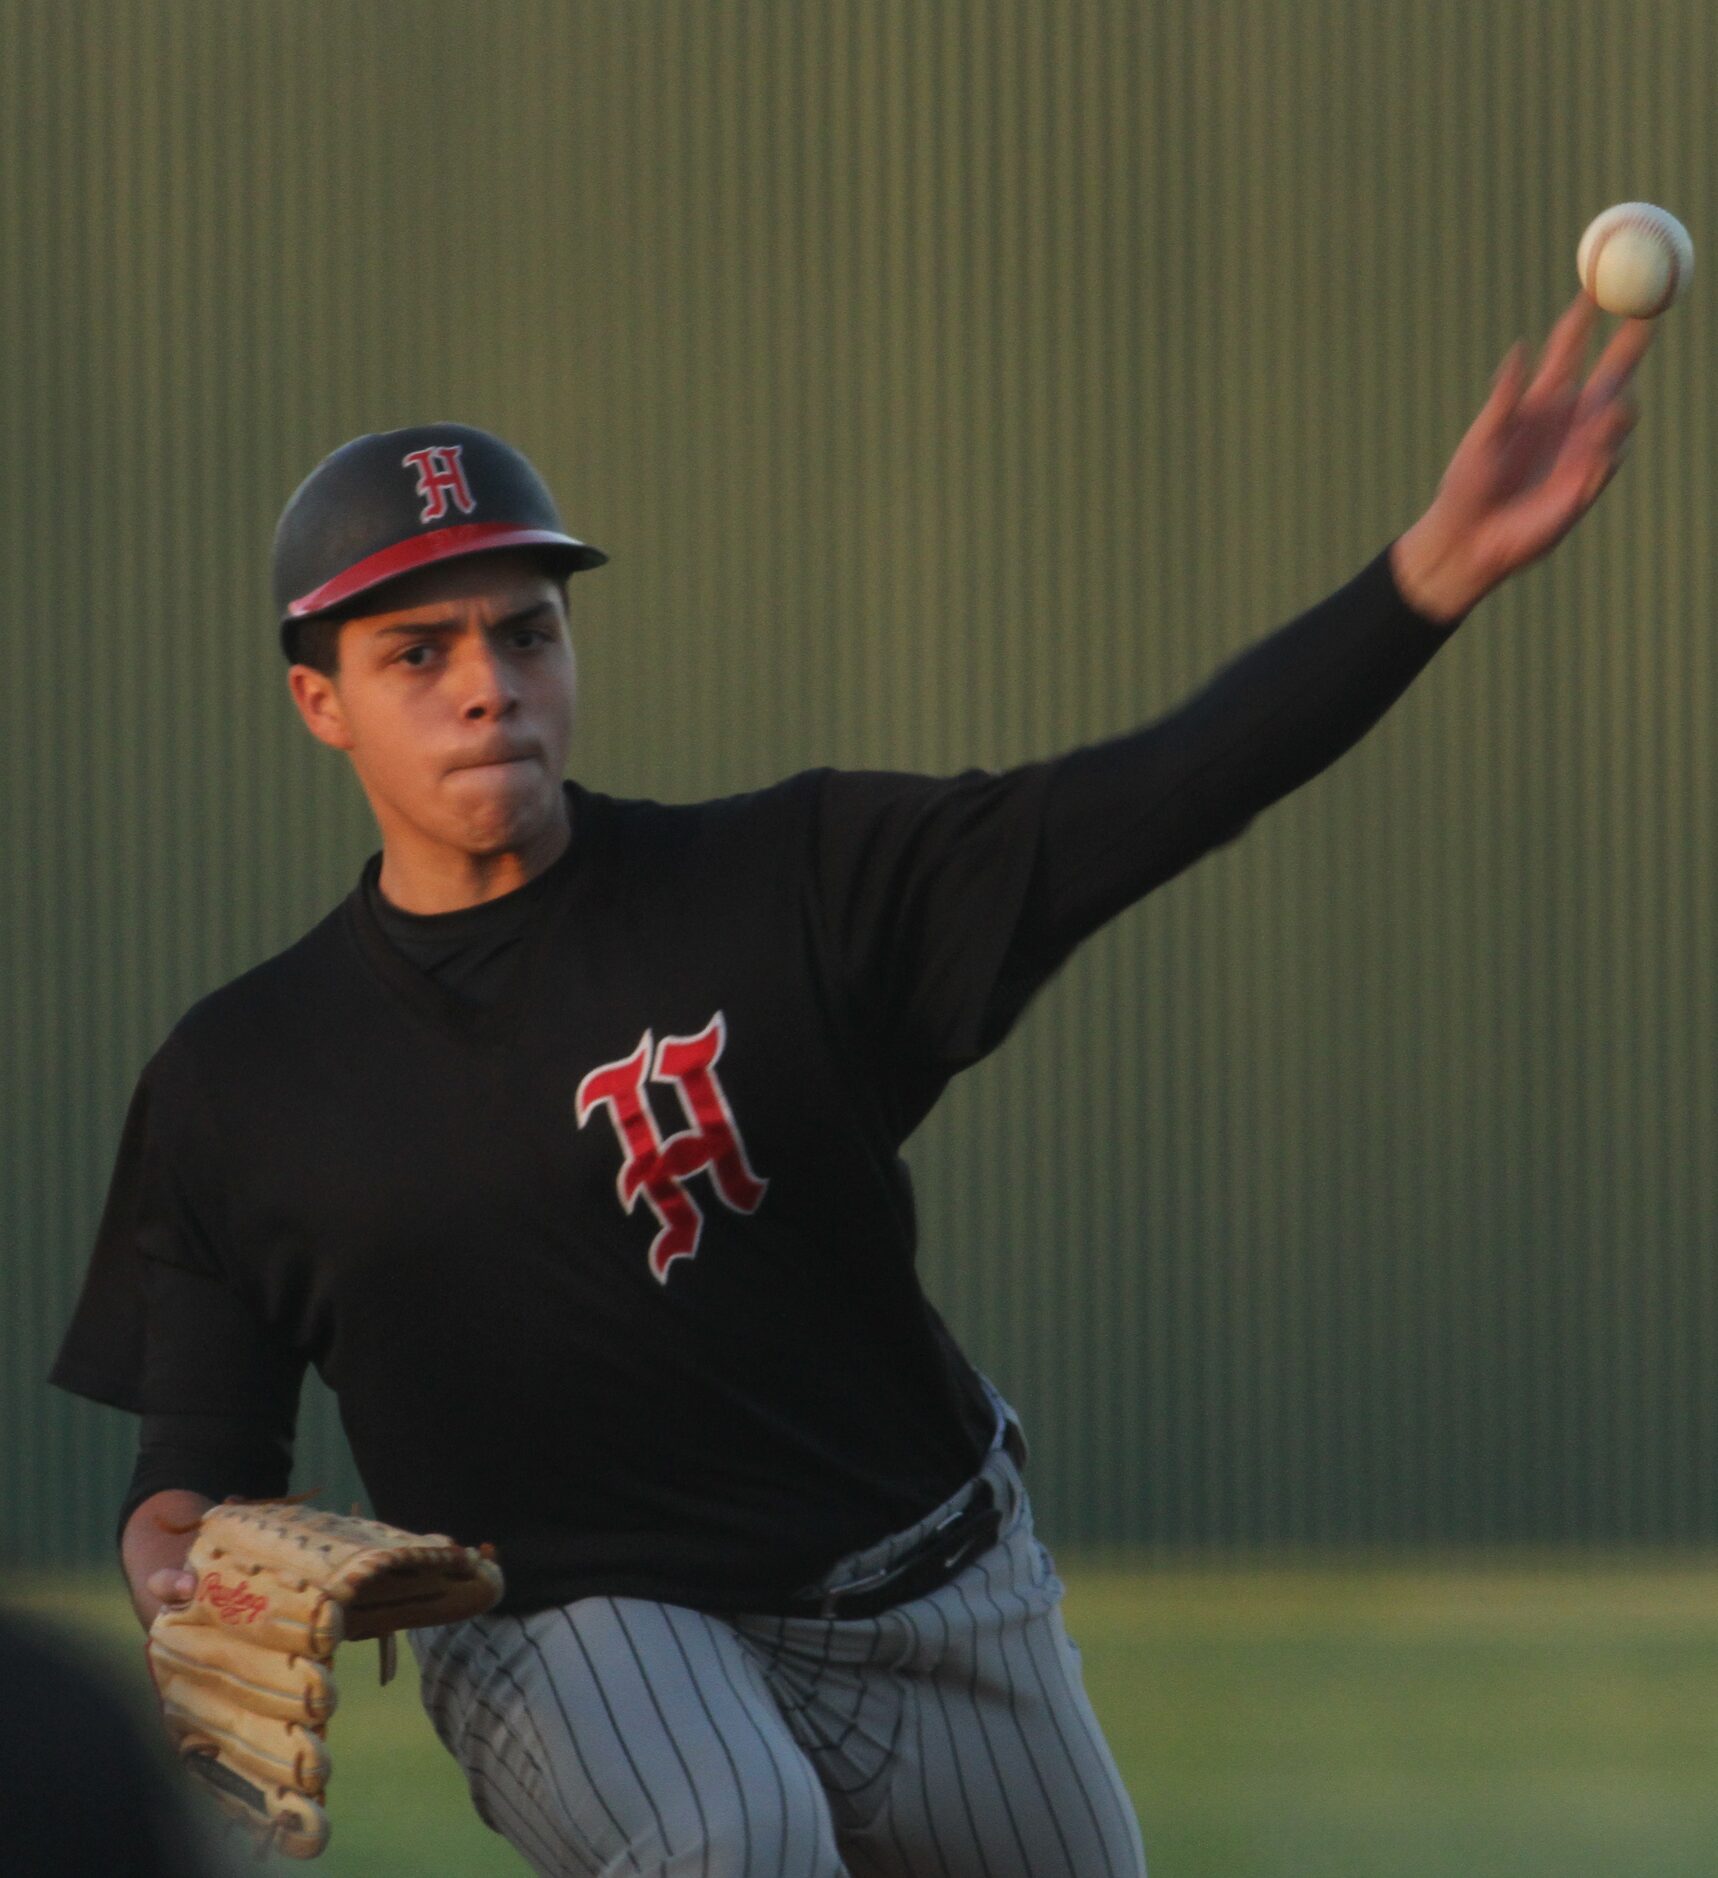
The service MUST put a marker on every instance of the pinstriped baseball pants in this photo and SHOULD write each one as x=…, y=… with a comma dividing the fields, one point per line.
x=949, y=1737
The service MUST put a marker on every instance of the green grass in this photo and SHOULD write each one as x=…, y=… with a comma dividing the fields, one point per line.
x=1322, y=1724
x=1304, y=1723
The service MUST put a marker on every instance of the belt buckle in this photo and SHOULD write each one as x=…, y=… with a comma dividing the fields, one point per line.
x=831, y=1603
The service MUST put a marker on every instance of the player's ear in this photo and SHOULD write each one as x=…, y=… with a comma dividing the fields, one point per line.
x=318, y=701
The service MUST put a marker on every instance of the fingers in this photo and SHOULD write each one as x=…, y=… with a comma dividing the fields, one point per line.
x=1597, y=481
x=1616, y=366
x=171, y=1587
x=1555, y=402
x=1507, y=383
x=1565, y=347
x=1611, y=442
x=1606, y=463
x=1614, y=422
x=1593, y=458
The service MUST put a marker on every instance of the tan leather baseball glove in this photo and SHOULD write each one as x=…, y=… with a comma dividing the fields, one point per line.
x=245, y=1669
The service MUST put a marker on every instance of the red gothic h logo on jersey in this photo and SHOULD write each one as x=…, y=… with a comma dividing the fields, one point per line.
x=658, y=1168
x=441, y=480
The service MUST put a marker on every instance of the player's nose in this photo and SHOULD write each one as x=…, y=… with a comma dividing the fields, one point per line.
x=487, y=688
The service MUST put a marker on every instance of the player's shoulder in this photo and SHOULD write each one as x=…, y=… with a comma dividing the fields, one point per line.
x=785, y=824
x=740, y=806
x=810, y=792
x=844, y=805
x=739, y=821
x=266, y=1000
x=800, y=816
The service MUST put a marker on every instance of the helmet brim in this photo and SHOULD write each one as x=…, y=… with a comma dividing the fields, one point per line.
x=566, y=553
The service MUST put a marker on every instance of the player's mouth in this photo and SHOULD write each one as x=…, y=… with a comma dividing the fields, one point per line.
x=499, y=762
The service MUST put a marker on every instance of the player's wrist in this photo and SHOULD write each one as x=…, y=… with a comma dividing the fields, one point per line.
x=1435, y=573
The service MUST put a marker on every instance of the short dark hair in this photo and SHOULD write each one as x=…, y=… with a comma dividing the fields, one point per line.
x=316, y=642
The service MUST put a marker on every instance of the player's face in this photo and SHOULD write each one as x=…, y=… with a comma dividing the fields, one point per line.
x=455, y=703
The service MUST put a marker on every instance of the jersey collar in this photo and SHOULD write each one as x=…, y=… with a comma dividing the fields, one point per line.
x=429, y=1002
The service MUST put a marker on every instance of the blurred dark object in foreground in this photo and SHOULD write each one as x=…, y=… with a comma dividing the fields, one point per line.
x=87, y=1796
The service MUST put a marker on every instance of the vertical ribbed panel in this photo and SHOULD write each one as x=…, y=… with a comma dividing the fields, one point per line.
x=951, y=382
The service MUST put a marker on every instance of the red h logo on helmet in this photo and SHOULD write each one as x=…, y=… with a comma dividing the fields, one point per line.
x=441, y=476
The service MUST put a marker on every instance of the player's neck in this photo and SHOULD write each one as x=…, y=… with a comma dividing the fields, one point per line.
x=420, y=875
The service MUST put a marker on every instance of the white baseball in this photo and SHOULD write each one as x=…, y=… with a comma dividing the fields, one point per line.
x=1635, y=259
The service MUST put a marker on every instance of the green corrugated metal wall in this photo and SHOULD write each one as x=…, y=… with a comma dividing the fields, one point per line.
x=951, y=383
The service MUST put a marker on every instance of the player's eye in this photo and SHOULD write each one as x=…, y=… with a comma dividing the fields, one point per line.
x=418, y=645
x=529, y=635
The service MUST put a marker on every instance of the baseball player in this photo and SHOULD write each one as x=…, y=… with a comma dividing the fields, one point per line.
x=567, y=1148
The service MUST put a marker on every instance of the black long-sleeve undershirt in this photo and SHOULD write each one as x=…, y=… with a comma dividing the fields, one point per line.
x=214, y=1455
x=1127, y=814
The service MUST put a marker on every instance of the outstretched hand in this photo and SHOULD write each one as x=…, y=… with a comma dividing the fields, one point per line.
x=1532, y=463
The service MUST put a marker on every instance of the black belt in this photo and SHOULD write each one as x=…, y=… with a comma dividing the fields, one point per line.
x=943, y=1553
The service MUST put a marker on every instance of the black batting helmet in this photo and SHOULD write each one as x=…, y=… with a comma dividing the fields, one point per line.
x=396, y=500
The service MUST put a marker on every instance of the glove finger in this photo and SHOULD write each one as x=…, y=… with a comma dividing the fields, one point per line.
x=268, y=1752
x=262, y=1680
x=423, y=1591
x=290, y=1616
x=292, y=1823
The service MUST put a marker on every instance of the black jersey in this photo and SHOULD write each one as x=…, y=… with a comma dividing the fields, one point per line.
x=617, y=1269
